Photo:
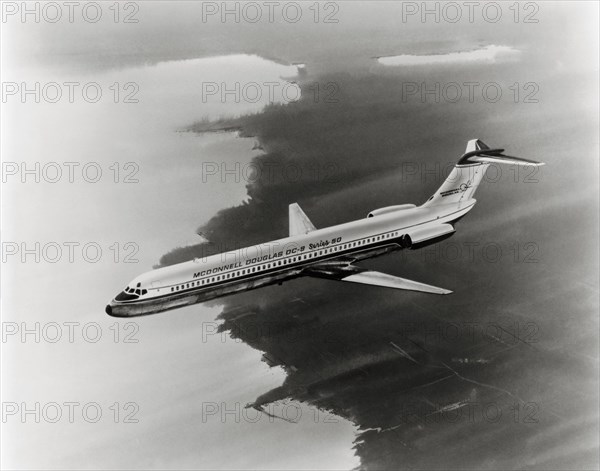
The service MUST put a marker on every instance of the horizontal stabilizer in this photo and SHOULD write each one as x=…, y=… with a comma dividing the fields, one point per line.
x=478, y=152
x=299, y=222
x=503, y=159
x=343, y=271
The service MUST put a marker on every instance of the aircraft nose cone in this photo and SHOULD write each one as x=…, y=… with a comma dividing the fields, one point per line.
x=108, y=309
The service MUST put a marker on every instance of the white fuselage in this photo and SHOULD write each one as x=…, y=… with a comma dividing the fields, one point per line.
x=273, y=262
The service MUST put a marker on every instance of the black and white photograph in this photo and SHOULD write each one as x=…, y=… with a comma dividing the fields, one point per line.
x=300, y=235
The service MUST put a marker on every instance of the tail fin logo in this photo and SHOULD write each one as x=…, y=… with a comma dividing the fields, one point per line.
x=461, y=189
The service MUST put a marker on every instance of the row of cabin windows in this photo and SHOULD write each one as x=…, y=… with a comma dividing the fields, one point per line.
x=281, y=262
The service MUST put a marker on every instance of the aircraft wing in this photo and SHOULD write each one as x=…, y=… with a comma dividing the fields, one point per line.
x=352, y=273
x=299, y=222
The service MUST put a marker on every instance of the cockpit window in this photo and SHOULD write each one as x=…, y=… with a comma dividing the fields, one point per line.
x=144, y=291
x=138, y=292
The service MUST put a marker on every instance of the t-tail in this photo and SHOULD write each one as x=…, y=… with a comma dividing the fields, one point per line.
x=467, y=174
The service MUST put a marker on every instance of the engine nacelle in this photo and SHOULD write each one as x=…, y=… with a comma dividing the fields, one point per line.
x=415, y=239
x=390, y=209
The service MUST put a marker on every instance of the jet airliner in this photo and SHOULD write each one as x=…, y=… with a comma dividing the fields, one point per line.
x=330, y=253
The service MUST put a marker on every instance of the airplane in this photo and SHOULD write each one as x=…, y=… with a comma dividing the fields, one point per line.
x=331, y=253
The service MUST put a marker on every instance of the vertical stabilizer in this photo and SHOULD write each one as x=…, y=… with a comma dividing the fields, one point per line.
x=465, y=177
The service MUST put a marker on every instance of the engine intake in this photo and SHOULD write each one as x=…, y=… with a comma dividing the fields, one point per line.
x=405, y=241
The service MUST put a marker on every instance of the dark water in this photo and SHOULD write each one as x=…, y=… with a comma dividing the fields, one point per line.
x=503, y=373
